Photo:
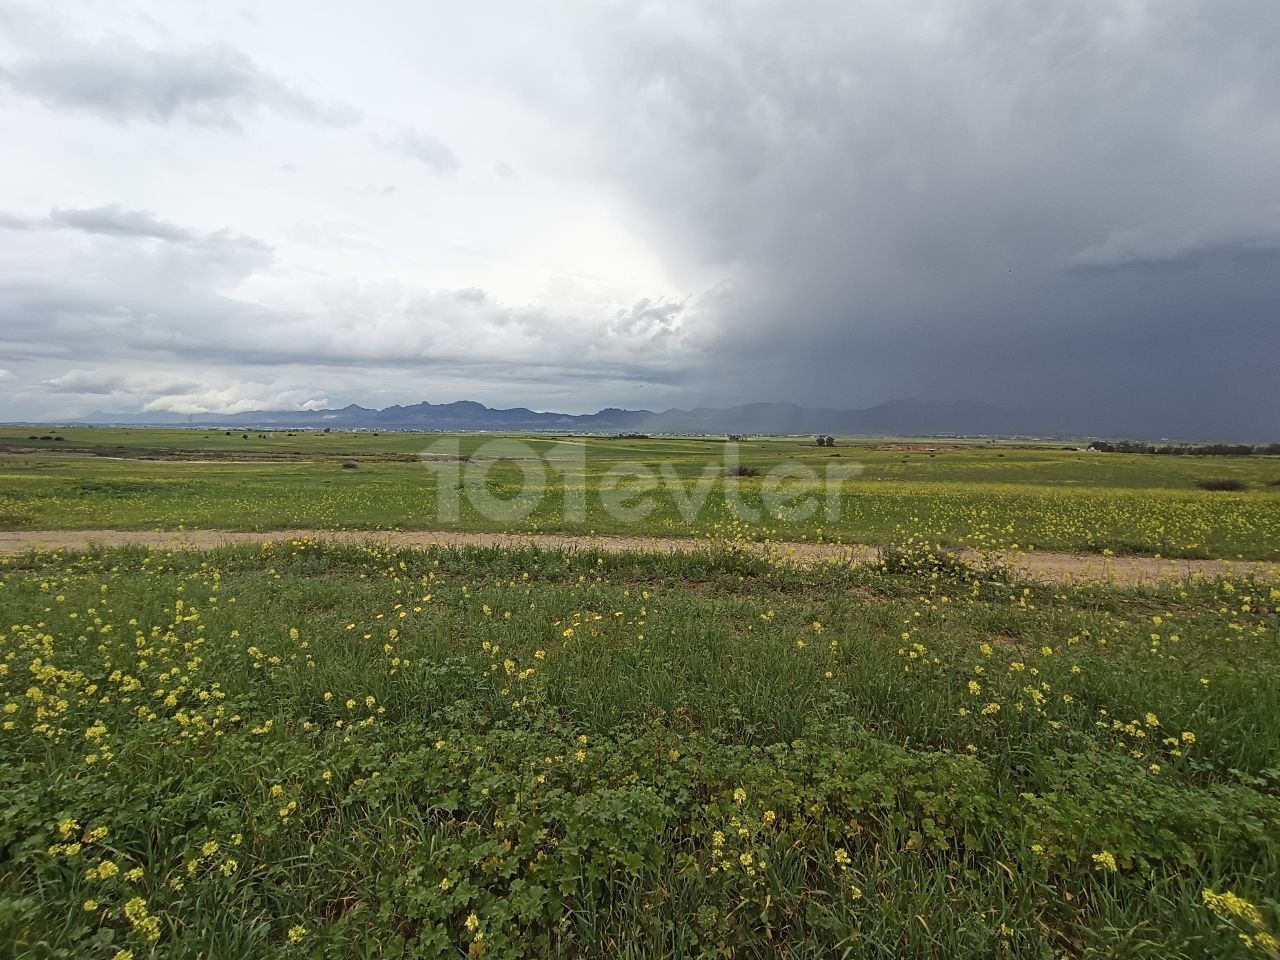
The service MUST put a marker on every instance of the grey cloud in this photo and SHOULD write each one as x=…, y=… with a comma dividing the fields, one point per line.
x=122, y=81
x=435, y=154
x=9, y=221
x=128, y=283
x=221, y=252
x=114, y=220
x=1125, y=249
x=117, y=221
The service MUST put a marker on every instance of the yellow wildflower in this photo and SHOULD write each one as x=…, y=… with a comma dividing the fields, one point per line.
x=1105, y=859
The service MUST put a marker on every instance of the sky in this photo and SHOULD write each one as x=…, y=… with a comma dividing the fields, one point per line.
x=1065, y=208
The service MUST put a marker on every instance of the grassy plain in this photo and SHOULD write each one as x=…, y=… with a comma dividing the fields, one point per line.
x=325, y=751
x=1032, y=495
x=318, y=751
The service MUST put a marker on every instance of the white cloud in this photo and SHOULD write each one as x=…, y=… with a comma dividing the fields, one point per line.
x=85, y=381
x=236, y=396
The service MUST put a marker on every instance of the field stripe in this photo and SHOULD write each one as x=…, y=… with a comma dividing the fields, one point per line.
x=1042, y=566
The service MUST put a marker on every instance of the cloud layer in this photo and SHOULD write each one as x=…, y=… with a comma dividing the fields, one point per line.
x=1066, y=208
x=174, y=298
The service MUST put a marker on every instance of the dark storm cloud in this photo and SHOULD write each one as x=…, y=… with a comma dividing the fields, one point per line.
x=122, y=81
x=1065, y=207
x=1182, y=249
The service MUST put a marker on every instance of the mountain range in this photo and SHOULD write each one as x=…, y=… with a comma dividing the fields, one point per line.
x=896, y=417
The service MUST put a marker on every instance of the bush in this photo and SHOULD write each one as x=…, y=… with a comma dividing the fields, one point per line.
x=919, y=560
x=350, y=465
x=1221, y=483
x=742, y=471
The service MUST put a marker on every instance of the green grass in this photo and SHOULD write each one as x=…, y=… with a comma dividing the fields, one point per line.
x=598, y=755
x=1035, y=496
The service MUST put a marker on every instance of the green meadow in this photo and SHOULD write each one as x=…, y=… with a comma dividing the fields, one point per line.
x=303, y=750
x=866, y=491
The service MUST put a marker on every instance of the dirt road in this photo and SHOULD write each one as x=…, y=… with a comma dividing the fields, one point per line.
x=1042, y=566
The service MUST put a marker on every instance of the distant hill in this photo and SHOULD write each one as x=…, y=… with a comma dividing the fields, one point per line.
x=895, y=417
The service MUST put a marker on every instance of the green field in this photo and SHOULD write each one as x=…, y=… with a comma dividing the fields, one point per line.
x=302, y=750
x=984, y=494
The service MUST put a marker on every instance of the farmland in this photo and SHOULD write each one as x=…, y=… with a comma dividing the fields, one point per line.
x=304, y=748
x=1034, y=496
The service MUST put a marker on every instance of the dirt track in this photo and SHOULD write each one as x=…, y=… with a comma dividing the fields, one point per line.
x=1046, y=567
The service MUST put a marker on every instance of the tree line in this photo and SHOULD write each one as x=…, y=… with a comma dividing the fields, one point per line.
x=1188, y=449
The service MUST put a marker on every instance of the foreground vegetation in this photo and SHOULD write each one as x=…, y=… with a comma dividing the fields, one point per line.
x=307, y=750
x=1057, y=498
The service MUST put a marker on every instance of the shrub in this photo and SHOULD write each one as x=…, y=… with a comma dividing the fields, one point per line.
x=742, y=471
x=918, y=560
x=1221, y=483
